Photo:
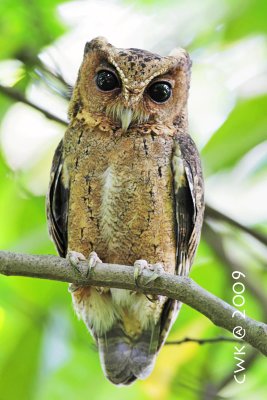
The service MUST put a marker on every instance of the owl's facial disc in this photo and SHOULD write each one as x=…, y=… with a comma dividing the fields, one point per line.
x=126, y=99
x=131, y=88
x=107, y=81
x=127, y=105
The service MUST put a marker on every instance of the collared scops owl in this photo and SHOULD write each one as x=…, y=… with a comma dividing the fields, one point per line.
x=126, y=185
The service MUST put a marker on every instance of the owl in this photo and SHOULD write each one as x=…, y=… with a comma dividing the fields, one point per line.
x=126, y=188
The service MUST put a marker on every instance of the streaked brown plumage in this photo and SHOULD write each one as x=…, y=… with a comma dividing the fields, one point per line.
x=126, y=182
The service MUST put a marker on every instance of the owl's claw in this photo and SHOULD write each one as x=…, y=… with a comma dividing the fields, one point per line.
x=73, y=287
x=93, y=259
x=157, y=271
x=74, y=259
x=140, y=266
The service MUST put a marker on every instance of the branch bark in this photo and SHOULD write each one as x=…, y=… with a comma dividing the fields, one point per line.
x=18, y=96
x=122, y=276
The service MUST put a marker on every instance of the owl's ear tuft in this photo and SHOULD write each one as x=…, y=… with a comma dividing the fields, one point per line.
x=183, y=58
x=97, y=43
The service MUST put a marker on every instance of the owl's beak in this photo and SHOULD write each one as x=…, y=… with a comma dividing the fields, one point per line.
x=126, y=118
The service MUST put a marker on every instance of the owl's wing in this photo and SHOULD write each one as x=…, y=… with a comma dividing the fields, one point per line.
x=189, y=211
x=189, y=201
x=57, y=204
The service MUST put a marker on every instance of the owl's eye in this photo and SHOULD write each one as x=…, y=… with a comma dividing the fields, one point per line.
x=107, y=81
x=160, y=91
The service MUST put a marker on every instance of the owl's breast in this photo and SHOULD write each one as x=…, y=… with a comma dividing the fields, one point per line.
x=137, y=209
x=125, y=209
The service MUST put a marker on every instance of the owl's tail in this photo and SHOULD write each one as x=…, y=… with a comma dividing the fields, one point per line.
x=124, y=359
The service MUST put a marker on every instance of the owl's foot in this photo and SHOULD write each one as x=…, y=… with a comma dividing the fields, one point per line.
x=74, y=259
x=93, y=259
x=140, y=266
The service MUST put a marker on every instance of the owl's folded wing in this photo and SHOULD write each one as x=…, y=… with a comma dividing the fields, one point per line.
x=57, y=204
x=189, y=200
x=189, y=212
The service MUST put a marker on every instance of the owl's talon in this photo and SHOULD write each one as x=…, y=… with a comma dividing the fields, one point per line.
x=153, y=298
x=73, y=287
x=102, y=290
x=139, y=266
x=93, y=259
x=74, y=259
x=157, y=269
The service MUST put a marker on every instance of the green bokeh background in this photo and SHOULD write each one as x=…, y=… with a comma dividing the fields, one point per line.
x=45, y=352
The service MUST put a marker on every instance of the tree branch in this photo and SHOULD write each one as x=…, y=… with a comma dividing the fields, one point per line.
x=217, y=244
x=121, y=276
x=215, y=214
x=18, y=96
x=205, y=341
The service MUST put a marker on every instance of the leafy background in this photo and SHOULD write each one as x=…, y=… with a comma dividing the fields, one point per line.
x=46, y=353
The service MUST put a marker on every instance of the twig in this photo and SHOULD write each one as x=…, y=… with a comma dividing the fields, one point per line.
x=120, y=276
x=18, y=96
x=212, y=388
x=216, y=242
x=204, y=341
x=212, y=213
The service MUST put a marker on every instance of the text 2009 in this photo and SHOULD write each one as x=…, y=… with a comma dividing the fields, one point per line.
x=238, y=331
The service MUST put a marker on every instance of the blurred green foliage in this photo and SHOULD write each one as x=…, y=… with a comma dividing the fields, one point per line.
x=46, y=354
x=244, y=129
x=246, y=18
x=26, y=27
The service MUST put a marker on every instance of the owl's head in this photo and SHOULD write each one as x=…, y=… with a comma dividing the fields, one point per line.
x=131, y=87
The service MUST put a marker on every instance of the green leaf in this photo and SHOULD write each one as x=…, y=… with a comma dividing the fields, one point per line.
x=245, y=127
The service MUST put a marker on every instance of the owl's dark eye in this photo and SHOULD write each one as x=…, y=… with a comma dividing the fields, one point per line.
x=107, y=81
x=160, y=91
